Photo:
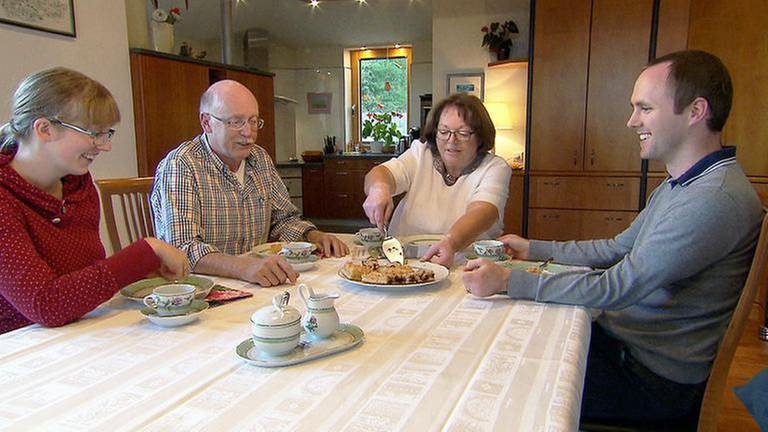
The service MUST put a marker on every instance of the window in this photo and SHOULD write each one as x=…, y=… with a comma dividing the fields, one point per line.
x=380, y=84
x=384, y=89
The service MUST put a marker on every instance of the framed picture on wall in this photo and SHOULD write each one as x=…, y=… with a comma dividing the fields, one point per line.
x=319, y=103
x=472, y=83
x=53, y=16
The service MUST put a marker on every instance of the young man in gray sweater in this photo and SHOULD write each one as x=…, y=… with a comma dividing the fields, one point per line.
x=668, y=284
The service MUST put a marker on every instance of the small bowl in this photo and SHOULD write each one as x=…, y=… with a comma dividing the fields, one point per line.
x=275, y=329
x=488, y=248
x=312, y=156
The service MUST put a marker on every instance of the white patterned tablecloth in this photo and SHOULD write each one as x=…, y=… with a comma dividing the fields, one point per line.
x=434, y=358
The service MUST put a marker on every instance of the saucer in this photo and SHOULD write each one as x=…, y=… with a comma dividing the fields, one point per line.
x=196, y=307
x=303, y=264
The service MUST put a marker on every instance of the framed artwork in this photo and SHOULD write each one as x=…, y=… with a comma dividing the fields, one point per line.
x=319, y=103
x=53, y=16
x=472, y=83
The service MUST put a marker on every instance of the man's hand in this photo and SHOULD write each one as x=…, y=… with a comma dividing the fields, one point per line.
x=271, y=271
x=483, y=278
x=328, y=244
x=515, y=246
x=443, y=252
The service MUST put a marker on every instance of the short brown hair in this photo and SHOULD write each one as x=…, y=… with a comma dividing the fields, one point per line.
x=59, y=93
x=472, y=110
x=695, y=74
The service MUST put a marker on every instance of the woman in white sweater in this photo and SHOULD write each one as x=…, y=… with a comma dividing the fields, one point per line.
x=453, y=185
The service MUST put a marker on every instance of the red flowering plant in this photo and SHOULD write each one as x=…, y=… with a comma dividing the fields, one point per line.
x=499, y=36
x=381, y=126
x=170, y=17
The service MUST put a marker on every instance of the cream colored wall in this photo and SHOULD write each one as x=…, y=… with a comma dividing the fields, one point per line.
x=456, y=36
x=100, y=50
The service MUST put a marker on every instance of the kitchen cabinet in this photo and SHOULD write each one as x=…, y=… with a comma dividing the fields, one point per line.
x=513, y=211
x=292, y=178
x=166, y=100
x=585, y=168
x=313, y=189
x=343, y=179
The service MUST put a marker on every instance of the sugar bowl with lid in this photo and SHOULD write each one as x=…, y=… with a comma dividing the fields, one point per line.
x=275, y=329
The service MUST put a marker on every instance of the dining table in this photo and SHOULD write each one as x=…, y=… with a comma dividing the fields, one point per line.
x=431, y=357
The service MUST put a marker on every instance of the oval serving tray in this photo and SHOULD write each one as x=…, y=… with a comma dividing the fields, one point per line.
x=310, y=348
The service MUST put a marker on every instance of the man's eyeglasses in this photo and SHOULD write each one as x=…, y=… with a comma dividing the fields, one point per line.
x=99, y=139
x=239, y=123
x=461, y=136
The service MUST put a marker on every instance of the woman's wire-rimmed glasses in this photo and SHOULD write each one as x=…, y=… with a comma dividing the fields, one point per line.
x=99, y=139
x=236, y=123
x=461, y=136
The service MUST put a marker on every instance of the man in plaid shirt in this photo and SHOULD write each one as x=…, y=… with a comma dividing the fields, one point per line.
x=219, y=195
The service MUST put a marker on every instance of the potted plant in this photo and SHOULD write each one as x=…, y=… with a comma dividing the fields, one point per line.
x=382, y=128
x=498, y=38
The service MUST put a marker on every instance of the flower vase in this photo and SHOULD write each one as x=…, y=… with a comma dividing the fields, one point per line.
x=162, y=36
x=503, y=53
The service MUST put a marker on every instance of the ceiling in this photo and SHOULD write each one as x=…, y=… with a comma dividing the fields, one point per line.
x=294, y=23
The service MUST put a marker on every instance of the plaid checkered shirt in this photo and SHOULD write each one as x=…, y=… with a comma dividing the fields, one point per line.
x=200, y=206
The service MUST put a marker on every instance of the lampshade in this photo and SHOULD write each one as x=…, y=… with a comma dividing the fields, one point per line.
x=500, y=114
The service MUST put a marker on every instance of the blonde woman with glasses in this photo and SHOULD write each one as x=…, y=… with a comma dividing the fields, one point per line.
x=453, y=185
x=53, y=268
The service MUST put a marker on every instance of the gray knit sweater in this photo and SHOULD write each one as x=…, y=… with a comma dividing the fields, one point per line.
x=671, y=280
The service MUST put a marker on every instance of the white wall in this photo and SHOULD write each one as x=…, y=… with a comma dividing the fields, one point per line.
x=100, y=51
x=456, y=36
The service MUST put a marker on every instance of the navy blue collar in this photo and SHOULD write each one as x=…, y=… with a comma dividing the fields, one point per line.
x=716, y=159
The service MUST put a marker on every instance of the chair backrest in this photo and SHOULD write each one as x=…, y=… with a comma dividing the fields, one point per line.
x=126, y=200
x=715, y=391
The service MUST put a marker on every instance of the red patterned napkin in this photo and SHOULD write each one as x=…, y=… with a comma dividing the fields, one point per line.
x=220, y=295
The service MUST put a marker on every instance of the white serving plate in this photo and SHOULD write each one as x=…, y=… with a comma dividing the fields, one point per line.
x=441, y=273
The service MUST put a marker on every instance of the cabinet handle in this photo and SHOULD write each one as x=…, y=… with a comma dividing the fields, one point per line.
x=342, y=196
x=341, y=173
x=551, y=216
x=615, y=185
x=551, y=183
x=592, y=157
x=575, y=157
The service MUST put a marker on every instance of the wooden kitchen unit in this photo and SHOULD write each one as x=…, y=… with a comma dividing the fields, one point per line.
x=166, y=94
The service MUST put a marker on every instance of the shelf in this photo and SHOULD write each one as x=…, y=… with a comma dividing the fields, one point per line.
x=507, y=62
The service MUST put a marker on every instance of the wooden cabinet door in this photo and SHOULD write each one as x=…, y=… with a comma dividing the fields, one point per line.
x=166, y=97
x=312, y=190
x=559, y=86
x=513, y=211
x=553, y=224
x=589, y=193
x=736, y=32
x=618, y=51
x=263, y=88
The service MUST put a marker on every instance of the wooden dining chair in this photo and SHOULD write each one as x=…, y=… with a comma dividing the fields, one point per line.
x=126, y=200
x=716, y=384
x=715, y=391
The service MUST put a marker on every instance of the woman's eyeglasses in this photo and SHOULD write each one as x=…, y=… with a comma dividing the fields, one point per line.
x=99, y=139
x=461, y=136
x=235, y=123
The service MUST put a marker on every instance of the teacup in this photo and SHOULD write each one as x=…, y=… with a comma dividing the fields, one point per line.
x=171, y=299
x=297, y=251
x=370, y=236
x=488, y=248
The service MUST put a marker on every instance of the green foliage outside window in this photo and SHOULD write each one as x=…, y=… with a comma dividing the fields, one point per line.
x=384, y=91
